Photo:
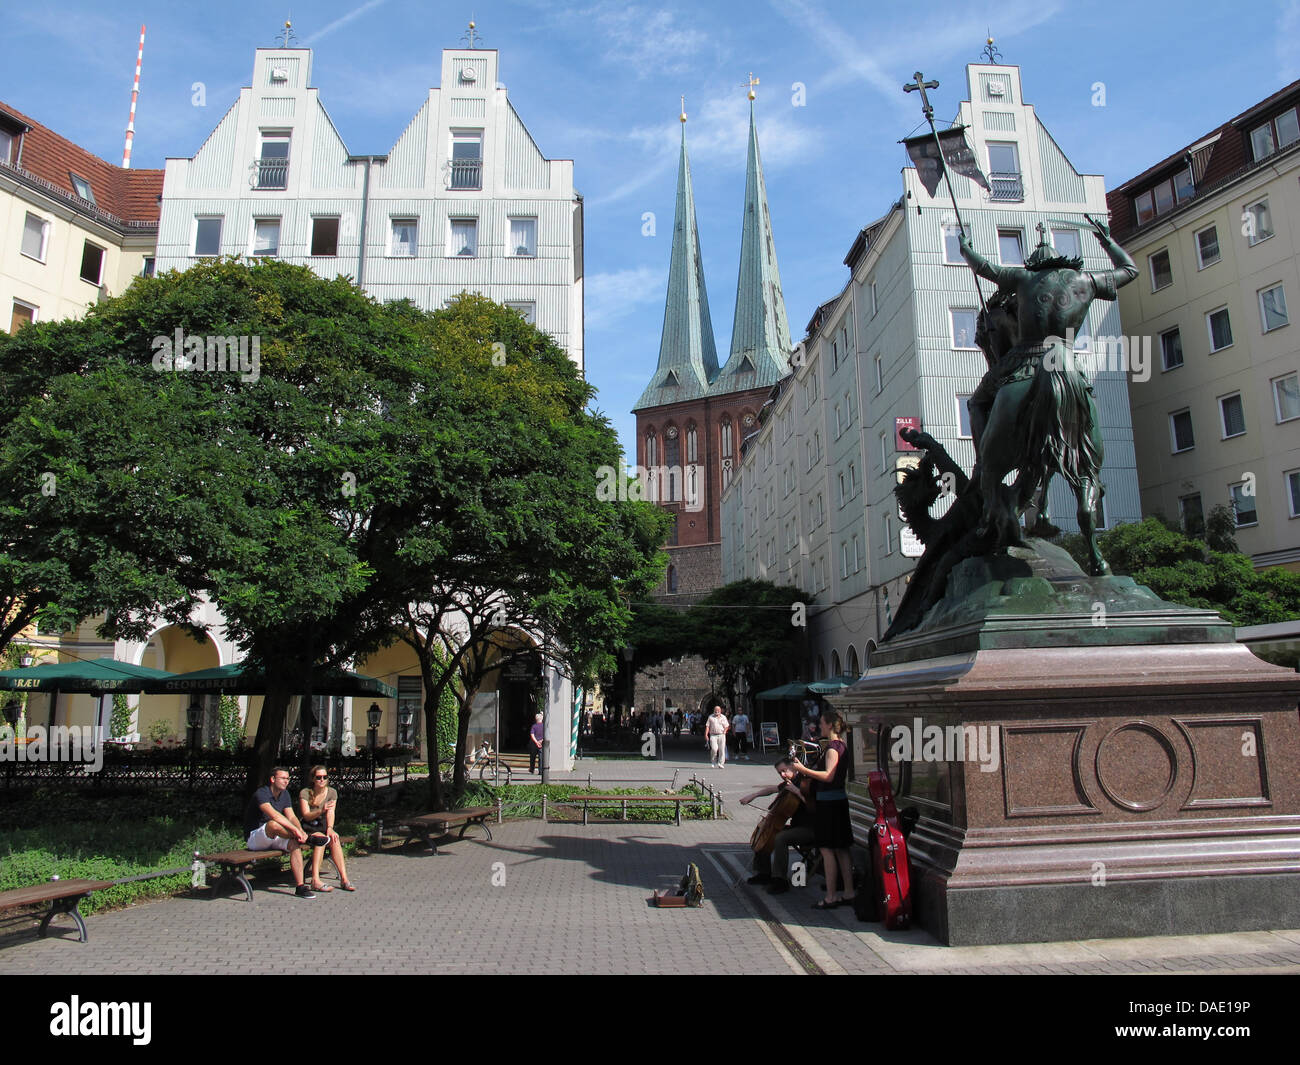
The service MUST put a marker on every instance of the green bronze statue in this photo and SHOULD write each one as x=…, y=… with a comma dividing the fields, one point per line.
x=1041, y=419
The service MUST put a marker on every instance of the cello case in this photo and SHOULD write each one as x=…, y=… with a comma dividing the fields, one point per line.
x=889, y=866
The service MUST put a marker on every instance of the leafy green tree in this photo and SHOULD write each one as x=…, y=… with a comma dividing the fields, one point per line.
x=1187, y=570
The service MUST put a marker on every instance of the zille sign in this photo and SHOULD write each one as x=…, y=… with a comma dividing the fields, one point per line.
x=904, y=423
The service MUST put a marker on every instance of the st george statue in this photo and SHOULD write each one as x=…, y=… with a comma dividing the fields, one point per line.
x=1032, y=413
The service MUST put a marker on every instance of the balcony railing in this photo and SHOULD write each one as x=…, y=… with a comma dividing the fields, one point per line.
x=1006, y=187
x=467, y=173
x=269, y=174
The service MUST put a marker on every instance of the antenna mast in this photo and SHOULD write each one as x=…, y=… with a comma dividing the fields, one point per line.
x=135, y=95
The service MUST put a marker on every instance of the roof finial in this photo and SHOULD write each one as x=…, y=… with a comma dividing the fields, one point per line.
x=990, y=53
x=750, y=85
x=287, y=34
x=470, y=38
x=683, y=114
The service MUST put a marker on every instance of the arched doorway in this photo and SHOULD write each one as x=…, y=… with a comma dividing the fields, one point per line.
x=518, y=681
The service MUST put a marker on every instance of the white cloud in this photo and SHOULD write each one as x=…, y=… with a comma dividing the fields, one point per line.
x=643, y=40
x=342, y=21
x=611, y=297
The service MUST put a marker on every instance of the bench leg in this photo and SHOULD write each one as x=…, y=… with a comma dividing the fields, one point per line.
x=68, y=906
x=236, y=874
x=479, y=822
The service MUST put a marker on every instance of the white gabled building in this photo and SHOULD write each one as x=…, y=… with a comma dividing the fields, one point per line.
x=812, y=502
x=464, y=200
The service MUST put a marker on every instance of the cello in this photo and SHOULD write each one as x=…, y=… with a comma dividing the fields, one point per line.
x=779, y=811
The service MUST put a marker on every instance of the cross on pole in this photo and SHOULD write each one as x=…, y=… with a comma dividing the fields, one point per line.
x=752, y=82
x=919, y=84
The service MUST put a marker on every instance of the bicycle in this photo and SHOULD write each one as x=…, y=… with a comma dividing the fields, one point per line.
x=491, y=768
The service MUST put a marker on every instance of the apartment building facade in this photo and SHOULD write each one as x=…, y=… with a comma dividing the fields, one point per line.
x=812, y=501
x=1213, y=229
x=76, y=228
x=463, y=201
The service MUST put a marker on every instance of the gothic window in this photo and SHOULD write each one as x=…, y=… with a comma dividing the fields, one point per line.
x=651, y=449
x=692, y=445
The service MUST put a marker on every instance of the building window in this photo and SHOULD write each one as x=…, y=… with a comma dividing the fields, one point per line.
x=853, y=479
x=523, y=237
x=880, y=375
x=1207, y=247
x=148, y=267
x=963, y=415
x=843, y=494
x=1257, y=221
x=404, y=238
x=1261, y=141
x=1278, y=133
x=692, y=445
x=1011, y=247
x=1293, y=492
x=1066, y=242
x=1180, y=431
x=884, y=452
x=1286, y=397
x=324, y=236
x=1004, y=172
x=844, y=561
x=1171, y=349
x=1232, y=415
x=1272, y=308
x=875, y=305
x=92, y=263
x=82, y=188
x=6, y=147
x=952, y=246
x=464, y=237
x=1162, y=274
x=1288, y=128
x=857, y=556
x=651, y=449
x=889, y=534
x=36, y=236
x=839, y=422
x=266, y=237
x=672, y=578
x=467, y=159
x=273, y=162
x=23, y=314
x=527, y=309
x=207, y=236
x=963, y=328
x=1191, y=515
x=1220, y=327
x=1243, y=506
x=1161, y=198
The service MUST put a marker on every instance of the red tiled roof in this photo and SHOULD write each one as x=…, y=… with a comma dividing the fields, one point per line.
x=1228, y=156
x=128, y=195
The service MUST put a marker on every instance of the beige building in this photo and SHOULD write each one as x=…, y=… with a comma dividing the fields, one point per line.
x=1215, y=230
x=73, y=228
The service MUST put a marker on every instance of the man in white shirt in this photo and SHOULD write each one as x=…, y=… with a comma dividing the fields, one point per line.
x=715, y=732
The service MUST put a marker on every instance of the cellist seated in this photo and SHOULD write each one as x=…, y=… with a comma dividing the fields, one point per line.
x=777, y=844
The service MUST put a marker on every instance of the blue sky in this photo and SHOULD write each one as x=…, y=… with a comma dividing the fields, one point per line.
x=599, y=82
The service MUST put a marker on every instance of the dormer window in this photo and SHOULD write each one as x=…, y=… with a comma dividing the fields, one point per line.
x=1164, y=196
x=467, y=159
x=1275, y=134
x=7, y=142
x=272, y=166
x=82, y=187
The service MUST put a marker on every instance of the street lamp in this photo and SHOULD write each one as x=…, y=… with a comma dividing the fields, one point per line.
x=194, y=718
x=405, y=715
x=27, y=660
x=629, y=653
x=372, y=719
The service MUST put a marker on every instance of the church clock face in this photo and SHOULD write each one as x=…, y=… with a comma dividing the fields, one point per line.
x=748, y=419
x=671, y=432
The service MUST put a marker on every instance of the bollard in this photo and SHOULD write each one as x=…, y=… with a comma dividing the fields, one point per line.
x=543, y=808
x=498, y=809
x=379, y=834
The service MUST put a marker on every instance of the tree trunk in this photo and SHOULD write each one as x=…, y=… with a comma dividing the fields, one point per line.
x=266, y=748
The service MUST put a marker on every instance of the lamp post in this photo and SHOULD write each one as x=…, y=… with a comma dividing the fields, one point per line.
x=372, y=733
x=27, y=659
x=194, y=718
x=629, y=653
x=405, y=715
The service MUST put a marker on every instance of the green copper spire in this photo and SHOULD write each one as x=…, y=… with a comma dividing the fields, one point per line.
x=760, y=333
x=688, y=356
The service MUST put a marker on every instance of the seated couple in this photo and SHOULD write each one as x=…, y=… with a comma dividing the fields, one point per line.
x=271, y=824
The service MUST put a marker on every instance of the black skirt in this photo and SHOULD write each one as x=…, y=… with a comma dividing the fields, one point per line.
x=831, y=824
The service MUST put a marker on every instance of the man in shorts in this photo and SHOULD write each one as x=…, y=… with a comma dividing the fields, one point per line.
x=271, y=824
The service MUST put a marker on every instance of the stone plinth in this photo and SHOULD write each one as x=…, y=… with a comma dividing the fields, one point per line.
x=1135, y=777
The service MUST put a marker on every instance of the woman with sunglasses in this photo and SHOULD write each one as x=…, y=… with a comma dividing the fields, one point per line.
x=316, y=805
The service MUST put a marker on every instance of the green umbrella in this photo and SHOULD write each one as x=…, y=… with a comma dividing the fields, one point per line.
x=237, y=679
x=832, y=685
x=97, y=677
x=795, y=690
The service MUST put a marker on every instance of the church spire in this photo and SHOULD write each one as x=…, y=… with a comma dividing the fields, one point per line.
x=688, y=357
x=760, y=332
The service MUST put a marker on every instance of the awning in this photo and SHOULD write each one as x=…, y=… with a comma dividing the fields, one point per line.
x=97, y=677
x=795, y=690
x=832, y=685
x=234, y=679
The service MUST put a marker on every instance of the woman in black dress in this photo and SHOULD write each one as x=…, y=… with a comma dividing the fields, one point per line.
x=834, y=832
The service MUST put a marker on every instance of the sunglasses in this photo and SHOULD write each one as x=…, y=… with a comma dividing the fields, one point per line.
x=321, y=776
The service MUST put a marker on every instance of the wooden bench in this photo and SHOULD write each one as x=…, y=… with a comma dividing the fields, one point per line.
x=64, y=896
x=586, y=800
x=422, y=828
x=234, y=866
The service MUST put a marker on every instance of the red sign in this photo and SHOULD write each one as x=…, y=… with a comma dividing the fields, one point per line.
x=904, y=423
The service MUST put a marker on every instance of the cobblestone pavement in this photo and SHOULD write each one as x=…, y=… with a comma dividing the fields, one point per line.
x=560, y=898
